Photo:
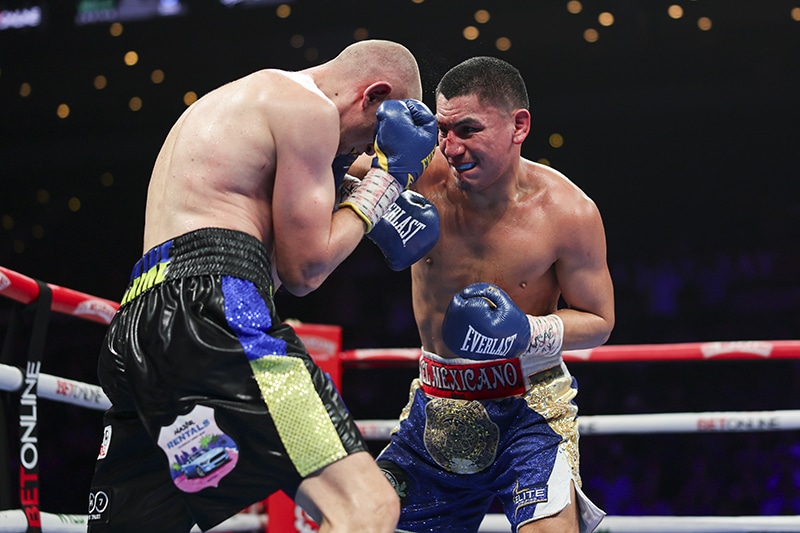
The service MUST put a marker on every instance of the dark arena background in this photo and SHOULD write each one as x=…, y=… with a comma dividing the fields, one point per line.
x=680, y=118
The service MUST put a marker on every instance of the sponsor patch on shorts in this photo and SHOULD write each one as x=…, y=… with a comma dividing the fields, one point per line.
x=528, y=496
x=99, y=505
x=105, y=444
x=397, y=477
x=198, y=451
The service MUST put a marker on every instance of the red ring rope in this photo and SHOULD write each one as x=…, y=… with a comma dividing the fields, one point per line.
x=24, y=289
x=66, y=301
x=687, y=351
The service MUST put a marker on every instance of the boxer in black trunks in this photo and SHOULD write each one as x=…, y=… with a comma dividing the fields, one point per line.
x=215, y=402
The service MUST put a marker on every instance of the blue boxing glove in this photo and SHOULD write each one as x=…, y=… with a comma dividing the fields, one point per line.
x=405, y=141
x=482, y=322
x=407, y=231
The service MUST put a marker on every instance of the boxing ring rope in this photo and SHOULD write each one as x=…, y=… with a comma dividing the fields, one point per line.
x=67, y=301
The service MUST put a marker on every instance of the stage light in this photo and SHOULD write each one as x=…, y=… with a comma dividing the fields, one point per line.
x=556, y=140
x=503, y=44
x=131, y=58
x=62, y=111
x=574, y=7
x=675, y=11
x=704, y=23
x=470, y=33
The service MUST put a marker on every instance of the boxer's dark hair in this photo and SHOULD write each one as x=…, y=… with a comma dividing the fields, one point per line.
x=493, y=80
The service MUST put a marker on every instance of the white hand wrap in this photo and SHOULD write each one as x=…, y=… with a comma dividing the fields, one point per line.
x=547, y=335
x=377, y=191
x=346, y=188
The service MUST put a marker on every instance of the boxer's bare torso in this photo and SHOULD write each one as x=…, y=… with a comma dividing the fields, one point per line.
x=222, y=159
x=519, y=244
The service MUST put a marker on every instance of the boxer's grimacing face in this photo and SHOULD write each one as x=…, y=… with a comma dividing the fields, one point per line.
x=475, y=138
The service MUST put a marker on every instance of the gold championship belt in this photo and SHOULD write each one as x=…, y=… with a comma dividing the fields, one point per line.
x=459, y=435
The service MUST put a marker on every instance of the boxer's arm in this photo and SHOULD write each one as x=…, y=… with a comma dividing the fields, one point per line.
x=585, y=281
x=360, y=166
x=309, y=242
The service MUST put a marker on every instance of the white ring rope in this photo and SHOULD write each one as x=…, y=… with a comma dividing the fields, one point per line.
x=56, y=388
x=708, y=422
x=93, y=397
x=15, y=522
x=497, y=523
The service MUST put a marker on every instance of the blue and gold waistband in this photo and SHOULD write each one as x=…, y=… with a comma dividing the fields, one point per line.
x=206, y=251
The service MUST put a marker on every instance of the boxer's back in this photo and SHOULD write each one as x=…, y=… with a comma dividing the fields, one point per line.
x=218, y=163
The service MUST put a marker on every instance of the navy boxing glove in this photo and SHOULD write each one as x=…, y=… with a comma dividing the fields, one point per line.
x=408, y=229
x=405, y=140
x=482, y=322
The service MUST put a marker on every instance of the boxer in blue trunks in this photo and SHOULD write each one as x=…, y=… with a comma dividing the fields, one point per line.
x=492, y=414
x=215, y=402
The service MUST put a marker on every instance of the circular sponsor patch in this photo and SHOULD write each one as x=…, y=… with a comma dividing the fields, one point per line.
x=459, y=435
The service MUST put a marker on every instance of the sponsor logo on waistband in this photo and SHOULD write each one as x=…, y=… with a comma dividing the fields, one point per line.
x=148, y=271
x=148, y=280
x=481, y=380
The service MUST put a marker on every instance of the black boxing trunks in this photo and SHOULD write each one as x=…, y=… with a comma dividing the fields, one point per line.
x=215, y=403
